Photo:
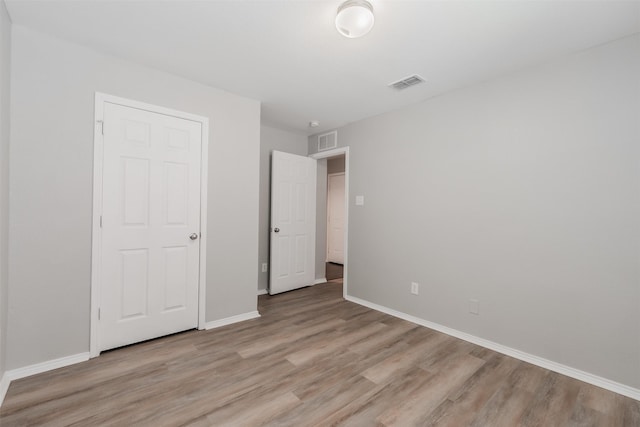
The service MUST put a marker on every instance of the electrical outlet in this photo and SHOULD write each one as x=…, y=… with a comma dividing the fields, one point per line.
x=415, y=287
x=473, y=307
x=265, y=267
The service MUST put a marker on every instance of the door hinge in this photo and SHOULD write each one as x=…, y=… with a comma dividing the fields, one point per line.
x=100, y=221
x=101, y=126
x=99, y=314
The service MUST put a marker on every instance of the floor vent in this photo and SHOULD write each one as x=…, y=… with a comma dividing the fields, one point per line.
x=327, y=141
x=407, y=82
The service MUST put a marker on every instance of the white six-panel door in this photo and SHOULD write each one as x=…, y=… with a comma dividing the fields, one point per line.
x=335, y=218
x=293, y=221
x=150, y=225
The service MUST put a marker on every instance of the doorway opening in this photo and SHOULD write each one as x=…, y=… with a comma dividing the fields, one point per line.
x=332, y=216
x=335, y=219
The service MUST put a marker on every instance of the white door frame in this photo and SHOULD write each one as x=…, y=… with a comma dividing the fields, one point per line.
x=96, y=235
x=333, y=153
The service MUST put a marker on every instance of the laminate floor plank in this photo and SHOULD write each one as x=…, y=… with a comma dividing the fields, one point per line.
x=342, y=340
x=386, y=338
x=337, y=367
x=397, y=363
x=311, y=359
x=462, y=406
x=416, y=409
x=367, y=408
x=554, y=402
x=316, y=410
x=288, y=336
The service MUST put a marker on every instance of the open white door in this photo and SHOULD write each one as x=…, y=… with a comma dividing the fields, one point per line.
x=293, y=222
x=335, y=218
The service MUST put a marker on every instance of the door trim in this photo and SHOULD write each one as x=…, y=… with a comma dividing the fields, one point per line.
x=96, y=235
x=333, y=153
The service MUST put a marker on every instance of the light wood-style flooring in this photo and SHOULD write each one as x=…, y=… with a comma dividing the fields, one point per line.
x=312, y=359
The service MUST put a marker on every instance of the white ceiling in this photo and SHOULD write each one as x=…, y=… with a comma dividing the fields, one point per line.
x=289, y=55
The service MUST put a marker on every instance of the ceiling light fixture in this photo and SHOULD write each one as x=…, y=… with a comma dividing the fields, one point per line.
x=355, y=18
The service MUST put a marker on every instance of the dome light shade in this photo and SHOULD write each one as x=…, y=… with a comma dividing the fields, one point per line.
x=355, y=18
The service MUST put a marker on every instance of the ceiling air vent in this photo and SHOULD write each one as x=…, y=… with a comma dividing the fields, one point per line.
x=407, y=82
x=327, y=141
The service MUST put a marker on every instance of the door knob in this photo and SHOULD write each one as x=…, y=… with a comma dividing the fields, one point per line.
x=276, y=230
x=193, y=236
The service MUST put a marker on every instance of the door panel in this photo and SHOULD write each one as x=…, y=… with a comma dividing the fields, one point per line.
x=175, y=203
x=135, y=191
x=293, y=222
x=150, y=206
x=175, y=277
x=301, y=254
x=134, y=284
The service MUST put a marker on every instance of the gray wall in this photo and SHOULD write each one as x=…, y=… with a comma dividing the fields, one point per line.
x=5, y=67
x=522, y=193
x=272, y=139
x=52, y=110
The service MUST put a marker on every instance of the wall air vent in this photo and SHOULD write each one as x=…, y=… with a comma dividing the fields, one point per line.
x=327, y=141
x=407, y=82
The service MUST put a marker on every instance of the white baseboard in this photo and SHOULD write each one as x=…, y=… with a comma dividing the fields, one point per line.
x=233, y=319
x=49, y=365
x=262, y=292
x=587, y=377
x=38, y=368
x=318, y=281
x=4, y=386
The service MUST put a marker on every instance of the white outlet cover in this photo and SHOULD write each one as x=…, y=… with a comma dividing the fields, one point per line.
x=359, y=200
x=415, y=288
x=265, y=267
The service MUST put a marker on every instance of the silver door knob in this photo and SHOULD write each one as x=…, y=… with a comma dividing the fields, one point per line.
x=193, y=236
x=276, y=230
